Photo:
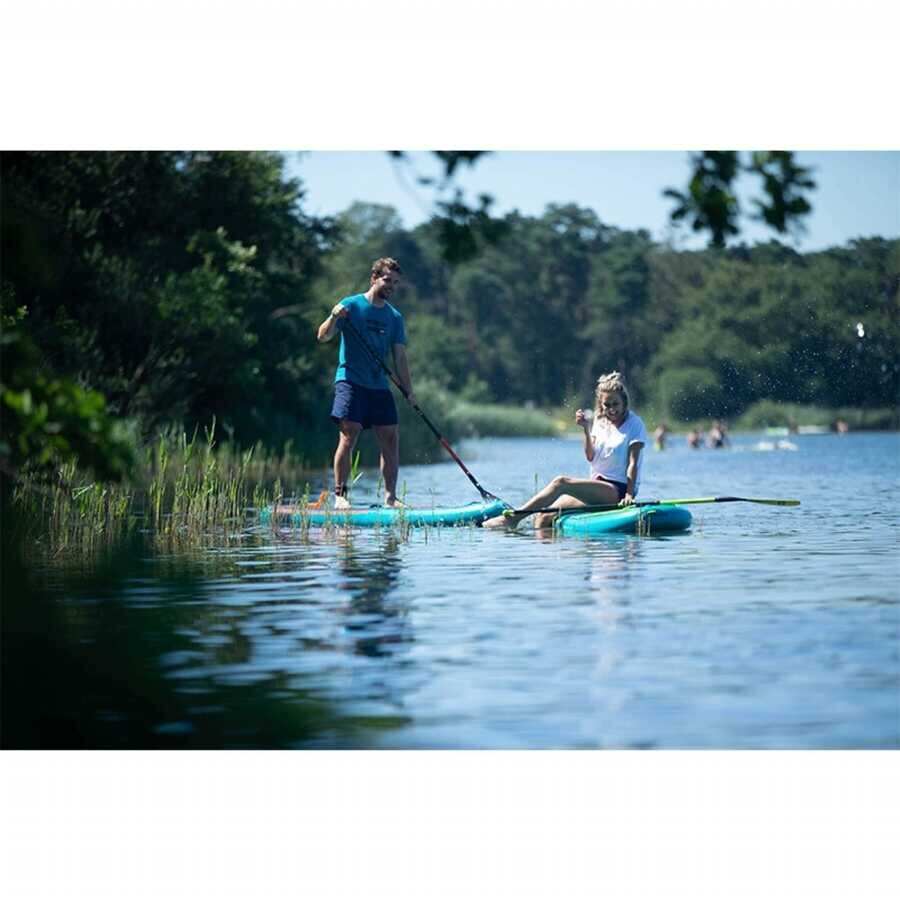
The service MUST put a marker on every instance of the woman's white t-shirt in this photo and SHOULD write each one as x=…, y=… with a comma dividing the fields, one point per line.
x=611, y=445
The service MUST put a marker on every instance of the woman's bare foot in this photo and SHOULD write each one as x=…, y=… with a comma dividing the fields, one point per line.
x=509, y=522
x=394, y=503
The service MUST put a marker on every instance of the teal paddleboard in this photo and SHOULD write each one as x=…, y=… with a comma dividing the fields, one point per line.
x=371, y=516
x=662, y=518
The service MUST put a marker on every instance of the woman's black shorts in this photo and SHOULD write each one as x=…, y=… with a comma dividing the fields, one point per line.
x=620, y=488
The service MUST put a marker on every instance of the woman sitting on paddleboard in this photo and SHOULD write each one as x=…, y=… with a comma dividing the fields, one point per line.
x=613, y=448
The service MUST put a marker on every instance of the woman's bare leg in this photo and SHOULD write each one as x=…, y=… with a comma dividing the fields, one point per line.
x=561, y=491
x=546, y=520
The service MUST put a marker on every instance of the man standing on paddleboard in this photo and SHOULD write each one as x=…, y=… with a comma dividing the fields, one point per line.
x=362, y=397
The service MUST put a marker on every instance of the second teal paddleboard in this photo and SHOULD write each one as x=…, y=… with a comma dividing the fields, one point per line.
x=662, y=518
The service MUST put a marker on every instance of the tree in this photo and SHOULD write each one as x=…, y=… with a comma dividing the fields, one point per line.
x=47, y=419
x=711, y=204
x=463, y=230
x=709, y=201
x=155, y=279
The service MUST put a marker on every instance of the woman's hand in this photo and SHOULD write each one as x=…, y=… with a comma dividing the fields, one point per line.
x=581, y=419
x=627, y=500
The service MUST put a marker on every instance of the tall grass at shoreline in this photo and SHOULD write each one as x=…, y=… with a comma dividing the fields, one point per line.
x=182, y=489
x=71, y=511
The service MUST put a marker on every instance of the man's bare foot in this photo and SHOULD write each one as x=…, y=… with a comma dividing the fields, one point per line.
x=341, y=502
x=394, y=502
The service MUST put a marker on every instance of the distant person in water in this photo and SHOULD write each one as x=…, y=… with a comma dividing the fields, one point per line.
x=660, y=436
x=718, y=436
x=612, y=447
x=694, y=439
x=362, y=397
x=841, y=427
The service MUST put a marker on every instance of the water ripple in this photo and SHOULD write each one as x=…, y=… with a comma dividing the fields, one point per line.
x=761, y=627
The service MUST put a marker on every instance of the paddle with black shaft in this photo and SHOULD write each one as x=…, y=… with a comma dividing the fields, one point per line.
x=564, y=510
x=485, y=495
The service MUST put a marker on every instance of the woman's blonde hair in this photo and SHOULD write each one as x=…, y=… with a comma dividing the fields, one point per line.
x=611, y=383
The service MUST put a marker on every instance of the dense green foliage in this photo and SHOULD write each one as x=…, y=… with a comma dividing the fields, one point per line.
x=48, y=419
x=153, y=277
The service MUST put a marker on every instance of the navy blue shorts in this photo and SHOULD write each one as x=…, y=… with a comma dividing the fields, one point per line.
x=364, y=405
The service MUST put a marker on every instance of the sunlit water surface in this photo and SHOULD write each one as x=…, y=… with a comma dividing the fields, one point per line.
x=762, y=627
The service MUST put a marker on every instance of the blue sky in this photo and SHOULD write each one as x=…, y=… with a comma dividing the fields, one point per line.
x=858, y=193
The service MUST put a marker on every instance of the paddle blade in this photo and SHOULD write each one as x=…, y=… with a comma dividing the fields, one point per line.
x=767, y=502
x=687, y=502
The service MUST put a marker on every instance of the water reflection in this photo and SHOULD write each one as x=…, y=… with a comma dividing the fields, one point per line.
x=102, y=679
x=375, y=622
x=612, y=567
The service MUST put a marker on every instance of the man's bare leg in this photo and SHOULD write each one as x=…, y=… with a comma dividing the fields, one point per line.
x=349, y=435
x=388, y=437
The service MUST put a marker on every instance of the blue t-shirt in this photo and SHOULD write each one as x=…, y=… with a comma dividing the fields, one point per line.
x=381, y=328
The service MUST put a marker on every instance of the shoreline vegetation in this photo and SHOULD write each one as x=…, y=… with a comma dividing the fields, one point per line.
x=187, y=489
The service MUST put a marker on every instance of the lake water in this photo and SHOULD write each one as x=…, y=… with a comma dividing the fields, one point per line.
x=762, y=627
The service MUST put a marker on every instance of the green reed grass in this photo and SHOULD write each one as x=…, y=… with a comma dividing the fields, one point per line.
x=184, y=488
x=355, y=471
x=71, y=510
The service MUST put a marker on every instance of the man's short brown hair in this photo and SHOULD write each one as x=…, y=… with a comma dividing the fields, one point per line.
x=384, y=265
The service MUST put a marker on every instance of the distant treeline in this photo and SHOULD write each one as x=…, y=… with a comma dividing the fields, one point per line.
x=185, y=286
x=563, y=298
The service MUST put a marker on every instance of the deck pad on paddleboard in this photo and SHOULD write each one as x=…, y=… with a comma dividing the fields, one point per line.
x=370, y=516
